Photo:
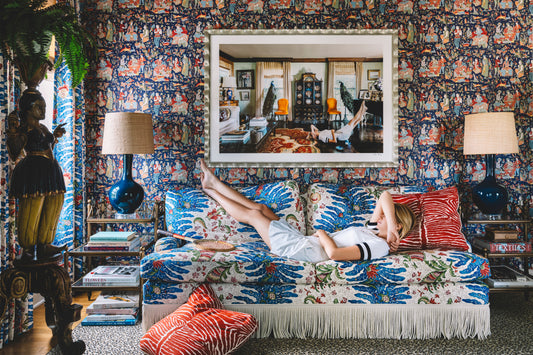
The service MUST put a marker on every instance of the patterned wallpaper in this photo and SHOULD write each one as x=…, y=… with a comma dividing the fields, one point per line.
x=455, y=58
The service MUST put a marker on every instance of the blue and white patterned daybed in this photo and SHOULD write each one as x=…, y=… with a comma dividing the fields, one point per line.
x=409, y=294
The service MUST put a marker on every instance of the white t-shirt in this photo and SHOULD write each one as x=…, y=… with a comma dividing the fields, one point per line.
x=370, y=245
x=287, y=241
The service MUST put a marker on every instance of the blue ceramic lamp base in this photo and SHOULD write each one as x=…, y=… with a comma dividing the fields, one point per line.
x=490, y=197
x=126, y=195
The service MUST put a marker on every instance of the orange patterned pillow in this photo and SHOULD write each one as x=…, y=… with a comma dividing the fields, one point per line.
x=199, y=326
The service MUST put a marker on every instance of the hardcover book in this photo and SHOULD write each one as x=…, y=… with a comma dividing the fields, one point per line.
x=131, y=245
x=110, y=317
x=126, y=310
x=501, y=247
x=121, y=299
x=90, y=322
x=118, y=274
x=116, y=243
x=112, y=236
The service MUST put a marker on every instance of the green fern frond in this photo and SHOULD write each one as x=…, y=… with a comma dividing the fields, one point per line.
x=27, y=29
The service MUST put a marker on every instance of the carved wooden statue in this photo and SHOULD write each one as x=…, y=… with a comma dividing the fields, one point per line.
x=37, y=180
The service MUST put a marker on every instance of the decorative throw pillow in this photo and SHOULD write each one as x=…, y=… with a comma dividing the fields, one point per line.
x=441, y=226
x=199, y=326
x=192, y=213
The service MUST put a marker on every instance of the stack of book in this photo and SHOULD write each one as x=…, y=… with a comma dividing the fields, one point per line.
x=113, y=241
x=113, y=275
x=113, y=308
x=237, y=136
x=500, y=246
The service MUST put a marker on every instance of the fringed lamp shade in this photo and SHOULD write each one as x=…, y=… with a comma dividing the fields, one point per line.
x=127, y=133
x=490, y=133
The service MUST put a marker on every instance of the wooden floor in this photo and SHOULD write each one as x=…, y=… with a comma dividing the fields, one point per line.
x=38, y=341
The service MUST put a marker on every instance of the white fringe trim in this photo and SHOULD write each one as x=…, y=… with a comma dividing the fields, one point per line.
x=392, y=321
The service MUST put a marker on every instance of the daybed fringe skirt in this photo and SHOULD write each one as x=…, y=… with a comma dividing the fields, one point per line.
x=391, y=321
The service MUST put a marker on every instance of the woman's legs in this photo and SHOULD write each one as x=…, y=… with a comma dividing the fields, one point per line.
x=237, y=205
x=358, y=116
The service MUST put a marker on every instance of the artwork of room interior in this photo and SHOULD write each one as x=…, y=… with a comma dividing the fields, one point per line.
x=266, y=177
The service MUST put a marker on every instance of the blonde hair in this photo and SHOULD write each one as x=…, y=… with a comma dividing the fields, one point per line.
x=404, y=216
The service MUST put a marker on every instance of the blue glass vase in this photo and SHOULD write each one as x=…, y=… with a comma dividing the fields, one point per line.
x=488, y=195
x=126, y=195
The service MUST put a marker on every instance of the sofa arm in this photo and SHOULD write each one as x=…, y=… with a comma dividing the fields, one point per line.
x=167, y=244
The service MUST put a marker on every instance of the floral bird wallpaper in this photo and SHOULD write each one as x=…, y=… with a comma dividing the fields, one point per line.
x=455, y=57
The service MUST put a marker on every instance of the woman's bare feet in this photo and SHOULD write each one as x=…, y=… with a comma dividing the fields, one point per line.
x=208, y=179
x=314, y=132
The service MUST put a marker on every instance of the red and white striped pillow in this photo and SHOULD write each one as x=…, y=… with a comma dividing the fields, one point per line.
x=199, y=326
x=438, y=224
x=441, y=226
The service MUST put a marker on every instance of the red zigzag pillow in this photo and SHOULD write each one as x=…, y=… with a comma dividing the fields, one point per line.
x=199, y=326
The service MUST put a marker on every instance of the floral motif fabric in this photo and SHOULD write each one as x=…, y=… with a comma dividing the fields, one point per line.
x=472, y=293
x=191, y=213
x=252, y=262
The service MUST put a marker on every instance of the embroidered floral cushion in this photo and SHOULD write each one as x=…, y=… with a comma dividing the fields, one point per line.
x=252, y=263
x=199, y=326
x=192, y=213
x=332, y=207
x=466, y=293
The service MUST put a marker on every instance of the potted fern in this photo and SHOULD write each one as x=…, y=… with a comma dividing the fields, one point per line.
x=27, y=29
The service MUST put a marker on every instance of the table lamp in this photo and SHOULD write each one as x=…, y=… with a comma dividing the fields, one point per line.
x=127, y=133
x=490, y=133
x=229, y=82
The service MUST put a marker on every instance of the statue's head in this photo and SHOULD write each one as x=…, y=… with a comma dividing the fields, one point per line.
x=26, y=102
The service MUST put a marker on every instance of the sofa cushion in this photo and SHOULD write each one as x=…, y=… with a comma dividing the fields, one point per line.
x=332, y=207
x=192, y=213
x=252, y=263
x=249, y=262
x=199, y=326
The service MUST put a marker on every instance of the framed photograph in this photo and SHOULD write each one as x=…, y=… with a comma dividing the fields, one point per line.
x=256, y=147
x=364, y=94
x=373, y=74
x=245, y=79
x=245, y=95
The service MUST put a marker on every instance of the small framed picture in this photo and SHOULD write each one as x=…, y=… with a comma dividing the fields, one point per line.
x=364, y=94
x=373, y=74
x=245, y=79
x=245, y=95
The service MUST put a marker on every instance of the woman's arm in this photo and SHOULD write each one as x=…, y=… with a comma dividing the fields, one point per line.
x=385, y=207
x=334, y=252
